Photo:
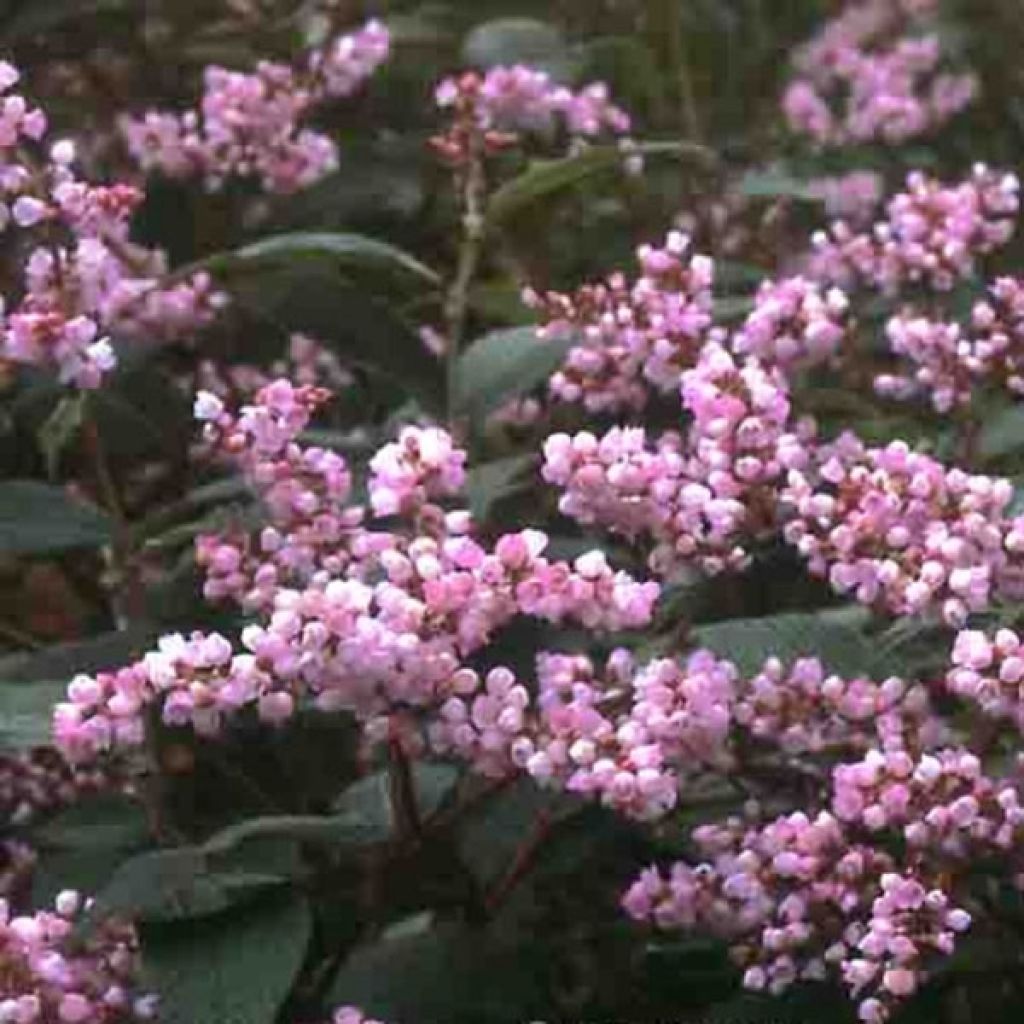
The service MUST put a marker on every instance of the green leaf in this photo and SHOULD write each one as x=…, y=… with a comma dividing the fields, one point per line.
x=176, y=884
x=26, y=713
x=345, y=251
x=518, y=41
x=546, y=179
x=449, y=973
x=837, y=637
x=770, y=184
x=361, y=328
x=369, y=799
x=340, y=828
x=236, y=968
x=61, y=661
x=37, y=518
x=488, y=482
x=1003, y=432
x=503, y=365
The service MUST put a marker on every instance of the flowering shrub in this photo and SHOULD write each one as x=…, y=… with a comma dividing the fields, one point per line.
x=510, y=512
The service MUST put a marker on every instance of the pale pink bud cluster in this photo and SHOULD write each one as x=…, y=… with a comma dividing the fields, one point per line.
x=806, y=710
x=422, y=465
x=941, y=802
x=795, y=323
x=250, y=124
x=950, y=362
x=351, y=1015
x=799, y=900
x=307, y=362
x=38, y=782
x=932, y=234
x=49, y=977
x=698, y=498
x=631, y=338
x=897, y=529
x=82, y=277
x=852, y=197
x=989, y=671
x=871, y=75
x=519, y=99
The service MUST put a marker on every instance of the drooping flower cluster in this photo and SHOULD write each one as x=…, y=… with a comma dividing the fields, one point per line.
x=932, y=235
x=852, y=197
x=82, y=279
x=897, y=529
x=633, y=337
x=48, y=977
x=989, y=672
x=490, y=111
x=307, y=362
x=871, y=75
x=250, y=124
x=39, y=782
x=798, y=899
x=369, y=620
x=794, y=323
x=699, y=498
x=942, y=801
x=949, y=363
x=804, y=709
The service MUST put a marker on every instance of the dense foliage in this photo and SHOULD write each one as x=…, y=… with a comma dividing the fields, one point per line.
x=511, y=511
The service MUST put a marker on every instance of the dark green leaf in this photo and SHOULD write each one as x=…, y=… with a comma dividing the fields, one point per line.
x=37, y=518
x=345, y=251
x=331, y=829
x=369, y=800
x=517, y=41
x=777, y=185
x=62, y=661
x=546, y=179
x=236, y=968
x=503, y=365
x=488, y=482
x=26, y=713
x=837, y=637
x=59, y=429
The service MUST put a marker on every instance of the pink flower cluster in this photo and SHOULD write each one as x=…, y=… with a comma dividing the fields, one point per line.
x=798, y=899
x=870, y=75
x=633, y=337
x=932, y=234
x=950, y=362
x=82, y=277
x=351, y=1015
x=498, y=106
x=307, y=362
x=39, y=782
x=48, y=977
x=852, y=197
x=249, y=124
x=698, y=498
x=805, y=710
x=624, y=737
x=351, y=617
x=989, y=672
x=899, y=530
x=795, y=323
x=942, y=802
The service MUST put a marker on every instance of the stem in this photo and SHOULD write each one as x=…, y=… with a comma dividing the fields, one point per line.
x=474, y=190
x=522, y=863
x=402, y=790
x=680, y=66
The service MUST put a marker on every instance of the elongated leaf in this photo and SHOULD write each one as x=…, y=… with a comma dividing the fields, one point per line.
x=1003, y=433
x=517, y=41
x=836, y=637
x=340, y=828
x=369, y=799
x=347, y=251
x=777, y=185
x=38, y=518
x=236, y=968
x=503, y=365
x=447, y=973
x=546, y=179
x=26, y=713
x=488, y=482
